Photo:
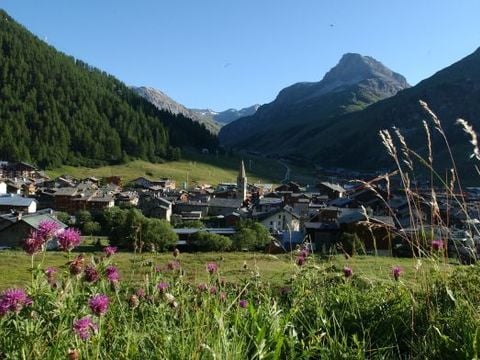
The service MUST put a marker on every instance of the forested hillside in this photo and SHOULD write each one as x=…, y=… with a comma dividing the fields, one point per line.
x=55, y=110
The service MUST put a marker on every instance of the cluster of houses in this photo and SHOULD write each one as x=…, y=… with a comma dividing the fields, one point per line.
x=376, y=209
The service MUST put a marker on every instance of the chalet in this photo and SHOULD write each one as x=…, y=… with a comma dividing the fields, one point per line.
x=127, y=198
x=290, y=186
x=156, y=207
x=333, y=191
x=14, y=228
x=267, y=204
x=218, y=206
x=282, y=219
x=19, y=170
x=10, y=202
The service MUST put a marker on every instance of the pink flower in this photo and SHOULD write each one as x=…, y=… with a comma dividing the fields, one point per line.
x=50, y=272
x=300, y=261
x=91, y=274
x=76, y=265
x=212, y=268
x=13, y=300
x=99, y=304
x=140, y=293
x=437, y=245
x=85, y=327
x=110, y=250
x=304, y=253
x=173, y=265
x=243, y=303
x=47, y=229
x=202, y=287
x=68, y=239
x=162, y=287
x=213, y=290
x=112, y=274
x=33, y=243
x=396, y=271
x=347, y=271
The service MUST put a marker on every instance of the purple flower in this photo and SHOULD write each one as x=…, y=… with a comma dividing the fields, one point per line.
x=173, y=265
x=162, y=287
x=304, y=253
x=47, y=229
x=99, y=304
x=396, y=271
x=50, y=272
x=33, y=243
x=140, y=293
x=243, y=303
x=212, y=268
x=85, y=327
x=68, y=239
x=76, y=265
x=213, y=290
x=91, y=274
x=437, y=245
x=112, y=274
x=202, y=287
x=347, y=271
x=110, y=250
x=300, y=261
x=13, y=300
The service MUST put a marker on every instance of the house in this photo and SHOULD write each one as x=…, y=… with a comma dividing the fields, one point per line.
x=10, y=202
x=267, y=204
x=19, y=170
x=290, y=186
x=14, y=228
x=333, y=191
x=218, y=206
x=284, y=219
x=156, y=207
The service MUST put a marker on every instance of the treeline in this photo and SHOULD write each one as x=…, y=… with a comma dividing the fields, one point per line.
x=57, y=110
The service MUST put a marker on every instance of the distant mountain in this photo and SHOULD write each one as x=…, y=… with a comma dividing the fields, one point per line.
x=212, y=120
x=227, y=116
x=56, y=110
x=354, y=83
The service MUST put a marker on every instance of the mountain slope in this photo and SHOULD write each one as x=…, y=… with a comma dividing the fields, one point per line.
x=164, y=102
x=56, y=110
x=227, y=116
x=353, y=84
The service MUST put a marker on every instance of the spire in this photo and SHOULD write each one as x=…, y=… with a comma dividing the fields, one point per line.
x=241, y=173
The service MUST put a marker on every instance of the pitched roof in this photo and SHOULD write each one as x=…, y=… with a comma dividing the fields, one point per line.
x=12, y=200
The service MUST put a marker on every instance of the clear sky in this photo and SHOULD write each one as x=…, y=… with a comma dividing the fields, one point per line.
x=235, y=53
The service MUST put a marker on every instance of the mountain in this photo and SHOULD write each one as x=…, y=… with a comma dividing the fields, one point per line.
x=354, y=83
x=164, y=102
x=352, y=140
x=55, y=110
x=227, y=116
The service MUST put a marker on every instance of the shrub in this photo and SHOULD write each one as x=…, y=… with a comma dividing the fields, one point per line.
x=205, y=241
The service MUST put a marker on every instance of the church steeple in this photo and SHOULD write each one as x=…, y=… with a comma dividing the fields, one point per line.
x=242, y=183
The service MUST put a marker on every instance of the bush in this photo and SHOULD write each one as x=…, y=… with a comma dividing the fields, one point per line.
x=205, y=241
x=251, y=235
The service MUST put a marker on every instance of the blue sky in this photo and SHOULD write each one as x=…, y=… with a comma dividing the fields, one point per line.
x=225, y=53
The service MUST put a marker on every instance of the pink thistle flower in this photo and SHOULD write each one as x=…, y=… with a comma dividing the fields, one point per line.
x=347, y=271
x=173, y=265
x=68, y=239
x=47, y=229
x=396, y=271
x=162, y=287
x=437, y=245
x=33, y=243
x=112, y=274
x=91, y=274
x=50, y=272
x=243, y=303
x=304, y=253
x=85, y=327
x=212, y=268
x=140, y=293
x=99, y=304
x=213, y=290
x=13, y=300
x=202, y=287
x=300, y=261
x=76, y=265
x=110, y=250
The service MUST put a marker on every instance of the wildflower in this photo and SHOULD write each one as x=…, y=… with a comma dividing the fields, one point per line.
x=347, y=271
x=91, y=274
x=33, y=243
x=173, y=265
x=13, y=300
x=437, y=245
x=176, y=252
x=110, y=250
x=300, y=261
x=213, y=290
x=85, y=327
x=50, y=273
x=133, y=301
x=76, y=265
x=68, y=239
x=140, y=293
x=47, y=229
x=158, y=268
x=223, y=296
x=212, y=268
x=243, y=303
x=304, y=253
x=112, y=274
x=396, y=271
x=99, y=304
x=201, y=287
x=162, y=287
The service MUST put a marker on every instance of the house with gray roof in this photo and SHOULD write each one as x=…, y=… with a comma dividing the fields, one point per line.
x=11, y=202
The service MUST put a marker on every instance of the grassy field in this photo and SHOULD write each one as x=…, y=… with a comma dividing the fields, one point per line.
x=195, y=168
x=274, y=269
